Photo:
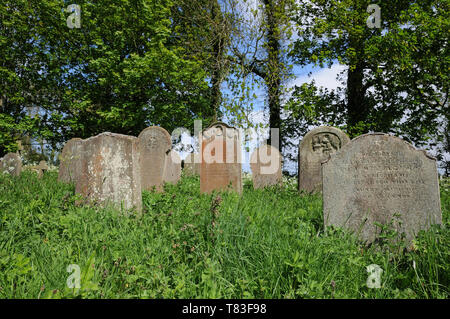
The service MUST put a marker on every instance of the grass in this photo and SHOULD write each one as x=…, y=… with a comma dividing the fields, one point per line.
x=264, y=244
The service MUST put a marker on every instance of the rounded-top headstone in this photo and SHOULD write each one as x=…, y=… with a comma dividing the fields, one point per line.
x=11, y=164
x=379, y=178
x=316, y=146
x=155, y=144
x=221, y=163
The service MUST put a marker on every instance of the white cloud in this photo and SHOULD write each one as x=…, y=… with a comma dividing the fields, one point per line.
x=326, y=78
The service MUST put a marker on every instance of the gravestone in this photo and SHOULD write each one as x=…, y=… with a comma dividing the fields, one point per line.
x=154, y=143
x=380, y=178
x=172, y=171
x=70, y=163
x=110, y=170
x=221, y=164
x=40, y=169
x=192, y=164
x=315, y=147
x=265, y=163
x=11, y=164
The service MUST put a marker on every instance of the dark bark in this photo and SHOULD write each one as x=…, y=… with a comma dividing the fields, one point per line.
x=273, y=76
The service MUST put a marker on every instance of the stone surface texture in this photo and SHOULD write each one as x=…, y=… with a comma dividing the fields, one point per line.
x=378, y=178
x=70, y=163
x=155, y=144
x=265, y=163
x=221, y=163
x=11, y=164
x=192, y=164
x=111, y=170
x=172, y=171
x=315, y=147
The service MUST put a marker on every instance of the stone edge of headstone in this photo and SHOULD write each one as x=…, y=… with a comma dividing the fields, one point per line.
x=345, y=146
x=323, y=127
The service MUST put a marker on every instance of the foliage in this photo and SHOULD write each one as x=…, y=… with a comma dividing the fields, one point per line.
x=396, y=77
x=264, y=244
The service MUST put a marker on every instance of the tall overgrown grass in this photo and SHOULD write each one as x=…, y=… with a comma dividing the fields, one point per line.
x=263, y=244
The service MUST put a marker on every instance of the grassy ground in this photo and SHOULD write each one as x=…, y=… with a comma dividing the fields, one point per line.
x=264, y=244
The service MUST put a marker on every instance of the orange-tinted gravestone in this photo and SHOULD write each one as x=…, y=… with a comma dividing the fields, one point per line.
x=221, y=165
x=155, y=144
x=265, y=163
x=315, y=147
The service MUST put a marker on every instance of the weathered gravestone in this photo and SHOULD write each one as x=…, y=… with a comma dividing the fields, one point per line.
x=172, y=171
x=154, y=143
x=192, y=164
x=221, y=164
x=110, y=170
x=11, y=164
x=378, y=178
x=265, y=163
x=70, y=163
x=40, y=169
x=315, y=147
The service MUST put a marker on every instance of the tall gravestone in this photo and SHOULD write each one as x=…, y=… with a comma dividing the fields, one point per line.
x=110, y=170
x=70, y=163
x=265, y=163
x=155, y=144
x=192, y=164
x=11, y=164
x=378, y=178
x=172, y=170
x=315, y=147
x=221, y=163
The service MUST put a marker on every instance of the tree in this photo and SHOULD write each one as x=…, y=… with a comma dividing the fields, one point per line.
x=25, y=69
x=395, y=79
x=268, y=33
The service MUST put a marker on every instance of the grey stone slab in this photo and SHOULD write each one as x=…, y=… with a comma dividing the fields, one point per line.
x=172, y=170
x=70, y=163
x=265, y=163
x=111, y=171
x=11, y=164
x=155, y=144
x=378, y=178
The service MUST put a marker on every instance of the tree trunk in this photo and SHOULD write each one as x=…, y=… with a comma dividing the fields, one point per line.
x=273, y=76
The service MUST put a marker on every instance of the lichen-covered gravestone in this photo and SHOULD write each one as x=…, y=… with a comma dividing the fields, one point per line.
x=155, y=144
x=378, y=178
x=192, y=164
x=111, y=171
x=316, y=146
x=221, y=163
x=70, y=163
x=172, y=171
x=265, y=163
x=11, y=164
